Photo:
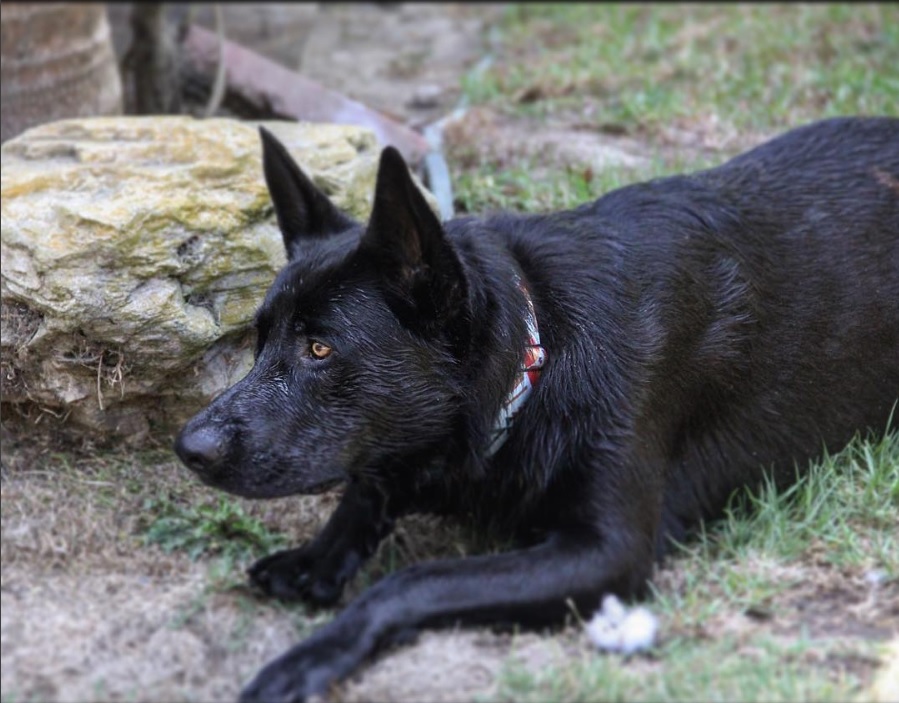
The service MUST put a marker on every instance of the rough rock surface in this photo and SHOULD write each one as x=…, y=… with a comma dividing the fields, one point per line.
x=134, y=253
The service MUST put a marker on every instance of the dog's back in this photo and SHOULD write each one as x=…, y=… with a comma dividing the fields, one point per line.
x=741, y=318
x=815, y=248
x=796, y=329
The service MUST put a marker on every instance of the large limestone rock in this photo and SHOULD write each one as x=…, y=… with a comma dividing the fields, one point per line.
x=134, y=253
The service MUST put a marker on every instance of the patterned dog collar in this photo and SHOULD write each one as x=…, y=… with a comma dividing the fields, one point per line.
x=529, y=374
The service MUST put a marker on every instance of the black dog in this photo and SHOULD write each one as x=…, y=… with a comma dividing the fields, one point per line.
x=593, y=381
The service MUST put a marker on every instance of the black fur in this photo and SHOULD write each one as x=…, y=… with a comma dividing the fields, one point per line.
x=699, y=329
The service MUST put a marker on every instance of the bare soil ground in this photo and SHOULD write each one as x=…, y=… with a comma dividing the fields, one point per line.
x=89, y=612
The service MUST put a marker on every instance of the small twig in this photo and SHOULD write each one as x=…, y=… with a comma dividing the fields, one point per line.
x=120, y=374
x=99, y=374
x=61, y=415
x=218, y=87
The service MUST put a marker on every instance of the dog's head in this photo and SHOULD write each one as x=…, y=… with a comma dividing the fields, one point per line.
x=358, y=344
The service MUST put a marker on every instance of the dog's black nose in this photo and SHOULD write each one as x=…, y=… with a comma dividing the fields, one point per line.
x=199, y=449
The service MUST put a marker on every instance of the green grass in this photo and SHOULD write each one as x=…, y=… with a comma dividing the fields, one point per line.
x=721, y=670
x=222, y=529
x=847, y=506
x=755, y=66
x=719, y=70
x=483, y=187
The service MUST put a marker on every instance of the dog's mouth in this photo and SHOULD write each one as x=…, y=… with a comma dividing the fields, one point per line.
x=269, y=490
x=235, y=485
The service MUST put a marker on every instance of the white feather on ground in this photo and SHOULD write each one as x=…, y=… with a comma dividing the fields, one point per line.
x=614, y=628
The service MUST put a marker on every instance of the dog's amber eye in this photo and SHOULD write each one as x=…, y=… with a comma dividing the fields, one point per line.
x=319, y=350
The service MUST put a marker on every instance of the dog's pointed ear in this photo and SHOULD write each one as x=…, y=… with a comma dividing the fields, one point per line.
x=303, y=210
x=407, y=241
x=404, y=233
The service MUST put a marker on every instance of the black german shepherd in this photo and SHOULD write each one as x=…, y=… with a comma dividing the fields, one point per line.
x=593, y=381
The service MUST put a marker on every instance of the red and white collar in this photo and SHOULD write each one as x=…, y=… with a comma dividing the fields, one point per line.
x=528, y=376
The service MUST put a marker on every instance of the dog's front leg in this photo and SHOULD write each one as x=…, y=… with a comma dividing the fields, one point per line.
x=532, y=585
x=318, y=570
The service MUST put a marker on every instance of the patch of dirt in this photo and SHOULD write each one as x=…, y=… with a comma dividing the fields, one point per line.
x=88, y=612
x=817, y=598
x=843, y=610
x=840, y=603
x=447, y=667
x=404, y=59
x=109, y=634
x=484, y=135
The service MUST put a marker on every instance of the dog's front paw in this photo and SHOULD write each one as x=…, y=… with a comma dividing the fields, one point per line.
x=306, y=670
x=297, y=574
x=284, y=685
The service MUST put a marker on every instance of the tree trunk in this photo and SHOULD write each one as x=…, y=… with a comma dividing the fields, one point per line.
x=57, y=62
